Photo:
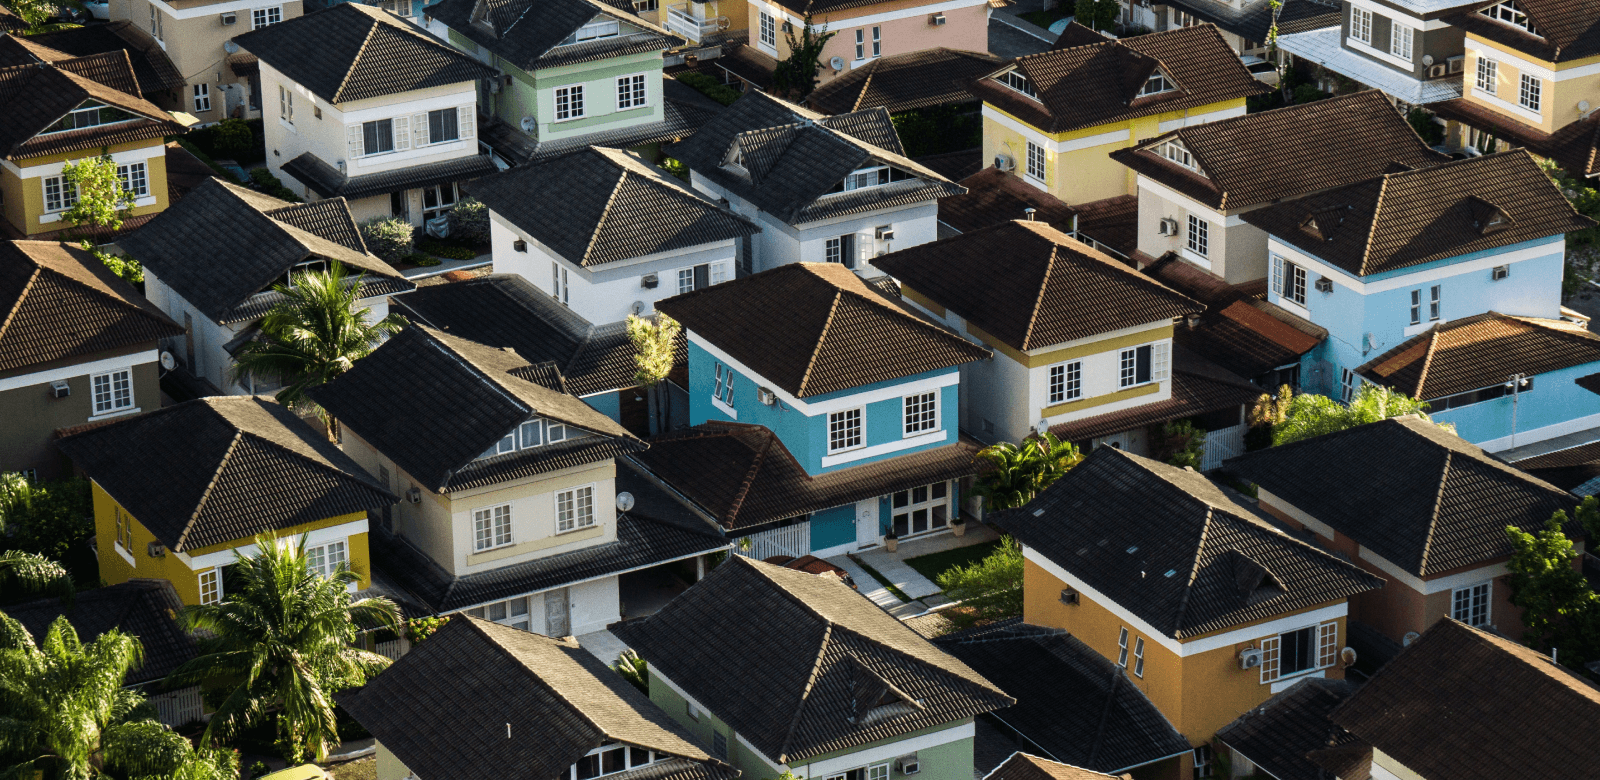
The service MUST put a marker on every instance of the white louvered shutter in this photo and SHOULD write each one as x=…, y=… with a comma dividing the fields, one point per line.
x=419, y=129
x=1277, y=274
x=402, y=134
x=468, y=121
x=1327, y=644
x=1160, y=360
x=353, y=135
x=1269, y=658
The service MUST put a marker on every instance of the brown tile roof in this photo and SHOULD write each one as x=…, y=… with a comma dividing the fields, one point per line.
x=1021, y=766
x=151, y=65
x=954, y=166
x=1032, y=286
x=1575, y=147
x=1254, y=18
x=1238, y=331
x=1568, y=29
x=1458, y=689
x=1568, y=468
x=1480, y=351
x=58, y=302
x=38, y=95
x=1286, y=152
x=530, y=33
x=744, y=477
x=1408, y=218
x=10, y=22
x=815, y=328
x=1097, y=83
x=994, y=197
x=902, y=82
x=1111, y=221
x=1198, y=387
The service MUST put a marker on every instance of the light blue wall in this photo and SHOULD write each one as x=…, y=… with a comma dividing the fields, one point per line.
x=833, y=527
x=1554, y=399
x=607, y=404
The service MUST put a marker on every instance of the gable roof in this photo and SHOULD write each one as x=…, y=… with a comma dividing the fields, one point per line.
x=1286, y=152
x=1168, y=545
x=528, y=33
x=1021, y=766
x=1567, y=29
x=37, y=96
x=815, y=328
x=799, y=698
x=1091, y=84
x=794, y=156
x=349, y=52
x=444, y=708
x=1457, y=689
x=152, y=67
x=432, y=403
x=222, y=245
x=1480, y=351
x=1410, y=491
x=1032, y=286
x=58, y=302
x=902, y=82
x=221, y=469
x=1277, y=734
x=603, y=206
x=145, y=608
x=1407, y=218
x=1238, y=330
x=1073, y=704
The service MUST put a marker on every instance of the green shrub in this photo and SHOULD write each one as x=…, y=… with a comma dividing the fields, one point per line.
x=469, y=222
x=421, y=259
x=676, y=168
x=125, y=267
x=1181, y=444
x=448, y=250
x=233, y=138
x=1421, y=120
x=710, y=87
x=268, y=184
x=388, y=237
x=1308, y=93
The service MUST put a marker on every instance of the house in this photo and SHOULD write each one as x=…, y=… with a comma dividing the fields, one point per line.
x=1279, y=737
x=212, y=261
x=180, y=491
x=607, y=234
x=1074, y=705
x=80, y=346
x=849, y=691
x=519, y=505
x=222, y=81
x=64, y=110
x=847, y=408
x=835, y=189
x=1407, y=48
x=1459, y=685
x=144, y=608
x=158, y=77
x=370, y=109
x=1209, y=607
x=1021, y=766
x=1437, y=533
x=1054, y=117
x=1195, y=183
x=917, y=79
x=1384, y=260
x=476, y=677
x=1244, y=24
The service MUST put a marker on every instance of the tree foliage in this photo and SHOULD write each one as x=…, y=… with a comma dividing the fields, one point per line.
x=654, y=353
x=36, y=13
x=101, y=199
x=989, y=589
x=48, y=519
x=1097, y=14
x=1560, y=610
x=634, y=669
x=1583, y=246
x=796, y=76
x=25, y=575
x=1314, y=415
x=1181, y=444
x=1013, y=474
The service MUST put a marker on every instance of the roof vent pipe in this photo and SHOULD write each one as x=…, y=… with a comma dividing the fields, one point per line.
x=1029, y=212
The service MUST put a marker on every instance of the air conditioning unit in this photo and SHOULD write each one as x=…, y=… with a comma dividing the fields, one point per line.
x=1456, y=63
x=60, y=388
x=414, y=495
x=1436, y=71
x=1169, y=226
x=1500, y=272
x=908, y=765
x=1324, y=284
x=230, y=18
x=937, y=20
x=519, y=245
x=1069, y=596
x=1004, y=163
x=650, y=281
x=884, y=233
x=1249, y=658
x=766, y=396
x=155, y=550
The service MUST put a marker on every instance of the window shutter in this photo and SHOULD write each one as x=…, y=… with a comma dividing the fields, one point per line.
x=402, y=134
x=1142, y=366
x=847, y=250
x=1277, y=274
x=419, y=129
x=468, y=126
x=1160, y=360
x=353, y=136
x=1327, y=644
x=1269, y=659
x=702, y=277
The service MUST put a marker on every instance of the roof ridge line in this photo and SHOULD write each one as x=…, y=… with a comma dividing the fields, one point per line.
x=1038, y=301
x=1438, y=504
x=11, y=316
x=1194, y=571
x=866, y=84
x=360, y=52
x=833, y=310
x=605, y=214
x=540, y=681
x=811, y=680
x=205, y=495
x=1427, y=356
x=1372, y=229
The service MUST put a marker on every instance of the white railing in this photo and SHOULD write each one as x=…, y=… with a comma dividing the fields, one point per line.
x=680, y=21
x=792, y=540
x=1222, y=445
x=176, y=708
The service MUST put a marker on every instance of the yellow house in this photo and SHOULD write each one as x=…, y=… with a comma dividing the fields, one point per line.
x=1208, y=607
x=1053, y=118
x=177, y=492
x=63, y=109
x=1531, y=79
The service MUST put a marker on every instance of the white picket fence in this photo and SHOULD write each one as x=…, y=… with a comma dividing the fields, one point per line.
x=176, y=708
x=392, y=649
x=792, y=540
x=1222, y=445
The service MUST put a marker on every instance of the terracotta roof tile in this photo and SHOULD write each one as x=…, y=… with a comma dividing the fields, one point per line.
x=1480, y=351
x=902, y=82
x=1021, y=766
x=1237, y=330
x=1567, y=29
x=38, y=95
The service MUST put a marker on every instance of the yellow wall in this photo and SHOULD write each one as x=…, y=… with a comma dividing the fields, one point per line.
x=24, y=199
x=114, y=568
x=1558, y=104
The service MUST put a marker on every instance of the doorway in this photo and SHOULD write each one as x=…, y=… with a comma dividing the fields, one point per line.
x=557, y=613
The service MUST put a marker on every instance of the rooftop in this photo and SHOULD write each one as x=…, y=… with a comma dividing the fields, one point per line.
x=1323, y=47
x=1478, y=352
x=1567, y=30
x=37, y=96
x=1253, y=18
x=902, y=82
x=1021, y=766
x=145, y=608
x=1277, y=735
x=530, y=34
x=153, y=70
x=1238, y=330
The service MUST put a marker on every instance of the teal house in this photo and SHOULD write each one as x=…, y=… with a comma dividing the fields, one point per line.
x=843, y=691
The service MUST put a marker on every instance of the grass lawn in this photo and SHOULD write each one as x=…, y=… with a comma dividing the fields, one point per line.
x=934, y=564
x=360, y=769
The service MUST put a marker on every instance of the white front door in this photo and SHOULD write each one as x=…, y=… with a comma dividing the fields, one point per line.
x=867, y=532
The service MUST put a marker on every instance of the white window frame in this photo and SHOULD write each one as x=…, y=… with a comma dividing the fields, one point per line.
x=135, y=179
x=575, y=508
x=1138, y=657
x=1530, y=93
x=877, y=41
x=833, y=250
x=1064, y=382
x=1508, y=13
x=1460, y=597
x=1289, y=280
x=861, y=44
x=920, y=412
x=211, y=580
x=266, y=16
x=424, y=133
x=628, y=763
x=1156, y=84
x=1435, y=302
x=569, y=103
x=768, y=30
x=321, y=558
x=1037, y=168
x=1348, y=384
x=491, y=527
x=1018, y=81
x=1199, y=236
x=1324, y=650
x=1122, y=648
x=112, y=406
x=1488, y=74
x=202, y=96
x=931, y=503
x=65, y=197
x=1128, y=364
x=156, y=18
x=377, y=125
x=561, y=289
x=632, y=92
x=1401, y=40
x=1175, y=152
x=1416, y=306
x=856, y=414
x=1361, y=24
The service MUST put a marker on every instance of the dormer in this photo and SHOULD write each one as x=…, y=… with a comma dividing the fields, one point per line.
x=1156, y=83
x=481, y=18
x=873, y=174
x=90, y=113
x=534, y=432
x=314, y=265
x=1322, y=224
x=733, y=160
x=611, y=758
x=1487, y=217
x=1173, y=150
x=1255, y=582
x=601, y=26
x=874, y=699
x=1507, y=12
x=1015, y=79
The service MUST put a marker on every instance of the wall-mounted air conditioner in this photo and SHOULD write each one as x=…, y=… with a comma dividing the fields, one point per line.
x=884, y=233
x=1069, y=596
x=1324, y=284
x=1168, y=227
x=1004, y=163
x=230, y=18
x=1249, y=658
x=937, y=20
x=766, y=396
x=60, y=389
x=1500, y=272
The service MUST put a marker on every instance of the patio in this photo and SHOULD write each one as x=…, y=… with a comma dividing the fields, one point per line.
x=921, y=592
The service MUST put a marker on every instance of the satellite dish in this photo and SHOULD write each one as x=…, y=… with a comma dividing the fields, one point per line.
x=1041, y=426
x=624, y=502
x=168, y=362
x=1347, y=656
x=637, y=308
x=230, y=47
x=1427, y=59
x=1583, y=105
x=1411, y=636
x=528, y=124
x=837, y=63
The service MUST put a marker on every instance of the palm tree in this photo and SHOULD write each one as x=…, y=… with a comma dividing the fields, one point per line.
x=1017, y=473
x=313, y=335
x=64, y=714
x=281, y=641
x=26, y=575
x=1315, y=415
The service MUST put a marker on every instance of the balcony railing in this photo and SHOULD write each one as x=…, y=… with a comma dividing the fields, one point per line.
x=694, y=28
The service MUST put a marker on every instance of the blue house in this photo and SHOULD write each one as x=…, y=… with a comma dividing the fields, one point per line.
x=1459, y=262
x=824, y=415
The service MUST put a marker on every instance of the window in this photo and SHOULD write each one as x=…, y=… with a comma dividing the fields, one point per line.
x=642, y=6
x=1433, y=302
x=513, y=612
x=920, y=509
x=608, y=759
x=1202, y=761
x=1347, y=384
x=630, y=92
x=1143, y=364
x=769, y=30
x=155, y=22
x=1528, y=96
x=922, y=412
x=861, y=44
x=1416, y=307
x=1199, y=236
x=1488, y=73
x=1302, y=650
x=1470, y=605
x=1509, y=13
x=874, y=176
x=377, y=137
x=694, y=712
x=1138, y=657
x=569, y=102
x=113, y=391
x=1400, y=40
x=92, y=113
x=1015, y=80
x=325, y=559
x=1289, y=280
x=1036, y=167
x=437, y=200
x=491, y=527
x=877, y=41
x=1122, y=648
x=1477, y=396
x=723, y=390
x=59, y=194
x=202, y=97
x=719, y=744
x=1178, y=153
x=396, y=7
x=124, y=529
x=699, y=277
x=444, y=125
x=1361, y=24
x=574, y=509
x=840, y=250
x=211, y=586
x=261, y=17
x=135, y=181
x=1157, y=82
x=599, y=27
x=1066, y=382
x=558, y=280
x=285, y=104
x=844, y=430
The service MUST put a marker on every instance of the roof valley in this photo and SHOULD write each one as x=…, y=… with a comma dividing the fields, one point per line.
x=1194, y=571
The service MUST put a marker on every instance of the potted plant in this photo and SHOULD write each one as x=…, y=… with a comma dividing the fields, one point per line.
x=958, y=524
x=891, y=542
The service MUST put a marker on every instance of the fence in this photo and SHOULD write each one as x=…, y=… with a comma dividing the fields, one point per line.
x=392, y=649
x=792, y=540
x=1221, y=445
x=176, y=708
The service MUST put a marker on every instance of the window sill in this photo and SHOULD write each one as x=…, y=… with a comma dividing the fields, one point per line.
x=568, y=119
x=724, y=408
x=919, y=434
x=1284, y=682
x=288, y=125
x=111, y=414
x=126, y=556
x=1298, y=309
x=579, y=529
x=1196, y=258
x=54, y=216
x=496, y=547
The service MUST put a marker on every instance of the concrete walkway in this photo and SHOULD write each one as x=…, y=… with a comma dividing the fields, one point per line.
x=423, y=272
x=867, y=584
x=924, y=593
x=603, y=645
x=1576, y=439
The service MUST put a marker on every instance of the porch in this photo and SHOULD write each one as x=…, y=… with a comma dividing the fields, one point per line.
x=682, y=20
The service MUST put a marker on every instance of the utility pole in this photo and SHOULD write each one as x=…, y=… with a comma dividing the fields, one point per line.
x=1515, y=383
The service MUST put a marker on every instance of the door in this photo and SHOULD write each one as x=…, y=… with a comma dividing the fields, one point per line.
x=867, y=531
x=557, y=613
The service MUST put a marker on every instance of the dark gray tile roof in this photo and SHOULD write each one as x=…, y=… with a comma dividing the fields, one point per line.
x=795, y=156
x=352, y=52
x=1168, y=545
x=443, y=708
x=1277, y=735
x=433, y=402
x=1073, y=704
x=329, y=182
x=808, y=692
x=145, y=608
x=222, y=245
x=1253, y=19
x=902, y=82
x=1566, y=469
x=151, y=65
x=1419, y=496
x=57, y=302
x=221, y=469
x=37, y=95
x=528, y=33
x=603, y=206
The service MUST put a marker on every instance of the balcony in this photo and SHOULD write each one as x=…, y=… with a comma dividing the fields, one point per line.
x=684, y=22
